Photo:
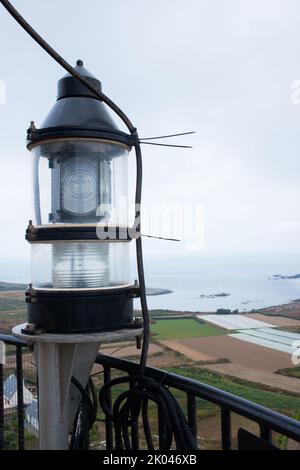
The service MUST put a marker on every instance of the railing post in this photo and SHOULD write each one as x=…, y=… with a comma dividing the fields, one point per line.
x=192, y=413
x=161, y=429
x=265, y=433
x=108, y=423
x=1, y=408
x=19, y=364
x=226, y=428
x=134, y=430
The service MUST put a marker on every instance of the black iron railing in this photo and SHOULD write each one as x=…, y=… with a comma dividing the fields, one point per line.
x=269, y=421
x=18, y=347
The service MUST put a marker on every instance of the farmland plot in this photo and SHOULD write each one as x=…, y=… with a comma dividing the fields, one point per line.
x=234, y=321
x=270, y=338
x=266, y=343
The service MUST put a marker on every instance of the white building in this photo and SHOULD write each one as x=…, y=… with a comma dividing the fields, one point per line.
x=10, y=393
x=32, y=416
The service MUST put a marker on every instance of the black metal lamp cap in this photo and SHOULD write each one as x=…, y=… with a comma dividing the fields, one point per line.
x=78, y=113
x=69, y=86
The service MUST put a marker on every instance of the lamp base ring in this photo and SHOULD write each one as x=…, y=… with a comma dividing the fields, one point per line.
x=66, y=312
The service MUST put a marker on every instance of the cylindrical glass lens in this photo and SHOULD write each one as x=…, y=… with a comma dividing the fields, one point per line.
x=80, y=265
x=80, y=182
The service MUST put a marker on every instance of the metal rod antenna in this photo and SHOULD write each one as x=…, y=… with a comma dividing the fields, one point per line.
x=168, y=145
x=161, y=238
x=167, y=136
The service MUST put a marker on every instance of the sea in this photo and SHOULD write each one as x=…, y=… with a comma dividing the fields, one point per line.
x=195, y=280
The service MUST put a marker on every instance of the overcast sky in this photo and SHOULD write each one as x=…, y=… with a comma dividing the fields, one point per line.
x=222, y=68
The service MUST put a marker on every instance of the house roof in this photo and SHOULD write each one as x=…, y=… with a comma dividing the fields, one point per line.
x=10, y=387
x=32, y=409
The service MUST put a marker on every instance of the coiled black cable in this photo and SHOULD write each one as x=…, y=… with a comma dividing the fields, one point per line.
x=173, y=426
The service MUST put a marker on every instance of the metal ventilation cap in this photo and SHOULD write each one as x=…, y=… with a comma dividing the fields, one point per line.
x=78, y=113
x=69, y=86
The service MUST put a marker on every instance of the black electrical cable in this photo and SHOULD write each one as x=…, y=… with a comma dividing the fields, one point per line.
x=130, y=404
x=127, y=407
x=139, y=258
x=85, y=417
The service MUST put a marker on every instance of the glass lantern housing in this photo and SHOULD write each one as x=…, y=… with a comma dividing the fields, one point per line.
x=80, y=280
x=80, y=182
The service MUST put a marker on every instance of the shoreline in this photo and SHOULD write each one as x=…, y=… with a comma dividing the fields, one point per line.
x=290, y=309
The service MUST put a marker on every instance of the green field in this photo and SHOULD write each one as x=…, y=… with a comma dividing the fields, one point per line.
x=11, y=304
x=165, y=314
x=278, y=401
x=9, y=286
x=183, y=328
x=206, y=411
x=12, y=310
x=290, y=372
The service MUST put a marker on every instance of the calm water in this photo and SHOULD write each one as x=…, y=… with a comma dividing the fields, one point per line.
x=245, y=278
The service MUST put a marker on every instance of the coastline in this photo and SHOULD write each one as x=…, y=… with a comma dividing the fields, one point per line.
x=289, y=310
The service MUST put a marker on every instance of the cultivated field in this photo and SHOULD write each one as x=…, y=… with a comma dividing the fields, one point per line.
x=12, y=309
x=203, y=349
x=128, y=350
x=238, y=352
x=187, y=351
x=274, y=320
x=183, y=328
x=291, y=310
x=233, y=322
x=267, y=340
x=274, y=381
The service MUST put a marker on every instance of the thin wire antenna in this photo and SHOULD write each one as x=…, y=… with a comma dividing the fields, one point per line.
x=167, y=136
x=167, y=145
x=162, y=238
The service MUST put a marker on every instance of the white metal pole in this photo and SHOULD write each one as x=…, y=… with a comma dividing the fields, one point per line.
x=59, y=358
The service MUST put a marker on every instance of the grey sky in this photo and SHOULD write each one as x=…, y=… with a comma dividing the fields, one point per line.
x=223, y=68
